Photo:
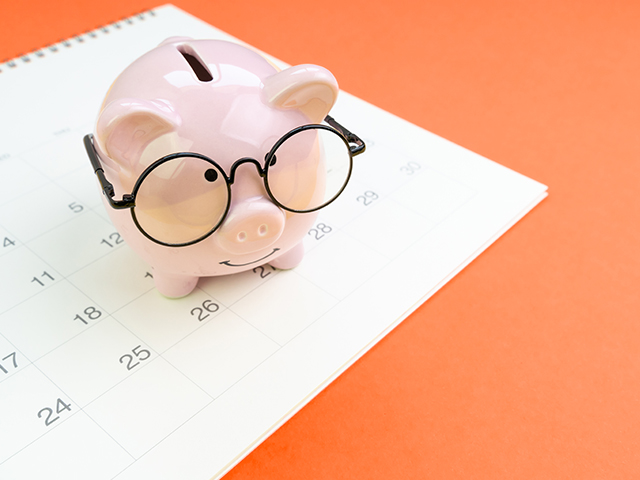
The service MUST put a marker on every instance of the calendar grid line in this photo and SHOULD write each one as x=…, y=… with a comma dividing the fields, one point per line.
x=63, y=222
x=211, y=399
x=20, y=157
x=238, y=379
x=201, y=325
x=62, y=277
x=115, y=251
x=55, y=227
x=160, y=355
x=230, y=307
x=106, y=432
x=165, y=437
x=57, y=425
x=93, y=324
x=26, y=247
x=248, y=292
x=280, y=346
x=259, y=330
x=16, y=349
x=399, y=252
x=324, y=314
x=35, y=440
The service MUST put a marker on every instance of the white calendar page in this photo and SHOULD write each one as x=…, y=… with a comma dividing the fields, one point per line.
x=103, y=378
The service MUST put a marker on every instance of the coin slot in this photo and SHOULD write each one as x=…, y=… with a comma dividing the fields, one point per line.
x=196, y=63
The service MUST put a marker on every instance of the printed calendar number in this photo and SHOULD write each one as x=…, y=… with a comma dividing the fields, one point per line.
x=8, y=362
x=320, y=230
x=62, y=131
x=44, y=278
x=207, y=306
x=410, y=168
x=139, y=355
x=48, y=414
x=367, y=198
x=262, y=271
x=75, y=207
x=90, y=313
x=114, y=239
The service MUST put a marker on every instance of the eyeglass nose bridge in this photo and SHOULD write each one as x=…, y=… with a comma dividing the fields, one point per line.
x=232, y=174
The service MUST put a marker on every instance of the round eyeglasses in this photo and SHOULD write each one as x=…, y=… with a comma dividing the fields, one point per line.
x=182, y=198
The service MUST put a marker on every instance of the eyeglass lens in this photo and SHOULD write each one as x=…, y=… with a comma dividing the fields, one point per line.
x=181, y=200
x=311, y=168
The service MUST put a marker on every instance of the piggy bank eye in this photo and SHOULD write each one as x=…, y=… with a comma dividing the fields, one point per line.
x=211, y=175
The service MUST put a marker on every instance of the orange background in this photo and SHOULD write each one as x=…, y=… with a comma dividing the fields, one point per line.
x=527, y=364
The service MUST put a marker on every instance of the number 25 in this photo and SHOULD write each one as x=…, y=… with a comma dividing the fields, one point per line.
x=140, y=353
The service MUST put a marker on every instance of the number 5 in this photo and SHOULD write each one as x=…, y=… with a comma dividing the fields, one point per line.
x=76, y=207
x=143, y=351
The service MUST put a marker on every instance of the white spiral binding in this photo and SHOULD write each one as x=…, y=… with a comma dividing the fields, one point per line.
x=14, y=63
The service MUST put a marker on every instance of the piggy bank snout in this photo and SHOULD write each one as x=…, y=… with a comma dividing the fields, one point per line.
x=251, y=226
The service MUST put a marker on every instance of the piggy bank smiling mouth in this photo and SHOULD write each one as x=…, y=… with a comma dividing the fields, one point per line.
x=229, y=264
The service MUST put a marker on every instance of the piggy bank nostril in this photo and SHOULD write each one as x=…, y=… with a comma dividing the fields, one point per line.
x=253, y=225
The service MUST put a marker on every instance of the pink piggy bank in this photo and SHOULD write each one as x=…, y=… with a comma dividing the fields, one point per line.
x=212, y=161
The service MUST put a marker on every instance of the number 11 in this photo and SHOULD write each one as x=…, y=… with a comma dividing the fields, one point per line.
x=44, y=274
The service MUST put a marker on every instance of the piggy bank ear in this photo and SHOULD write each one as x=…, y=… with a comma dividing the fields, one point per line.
x=308, y=88
x=126, y=127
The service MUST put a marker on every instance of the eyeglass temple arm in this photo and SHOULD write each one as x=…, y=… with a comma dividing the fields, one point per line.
x=352, y=138
x=107, y=187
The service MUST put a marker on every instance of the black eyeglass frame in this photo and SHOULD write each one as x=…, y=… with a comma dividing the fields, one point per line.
x=355, y=146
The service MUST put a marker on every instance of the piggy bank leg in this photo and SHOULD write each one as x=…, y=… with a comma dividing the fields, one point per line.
x=173, y=285
x=289, y=259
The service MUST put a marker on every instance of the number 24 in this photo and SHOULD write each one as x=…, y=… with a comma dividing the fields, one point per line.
x=60, y=407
